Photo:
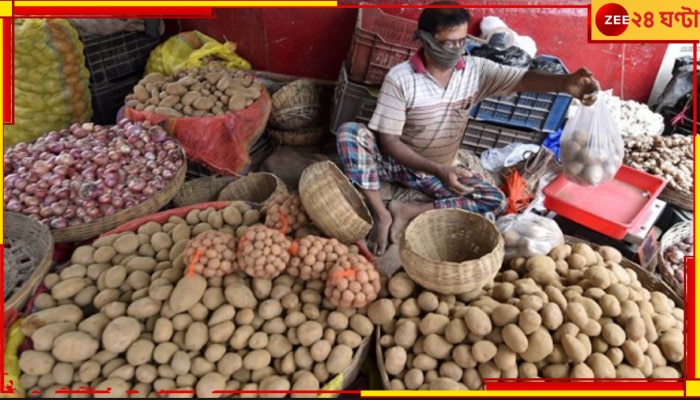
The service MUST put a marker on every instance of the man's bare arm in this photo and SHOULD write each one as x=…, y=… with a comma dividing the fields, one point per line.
x=580, y=84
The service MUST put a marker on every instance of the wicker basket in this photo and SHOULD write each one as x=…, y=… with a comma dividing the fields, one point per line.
x=201, y=190
x=677, y=198
x=257, y=187
x=296, y=106
x=156, y=202
x=27, y=258
x=674, y=235
x=451, y=251
x=302, y=137
x=333, y=204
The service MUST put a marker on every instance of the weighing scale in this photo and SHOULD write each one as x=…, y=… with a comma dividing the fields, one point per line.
x=620, y=213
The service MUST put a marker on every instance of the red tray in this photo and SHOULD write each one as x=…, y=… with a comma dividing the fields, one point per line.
x=611, y=208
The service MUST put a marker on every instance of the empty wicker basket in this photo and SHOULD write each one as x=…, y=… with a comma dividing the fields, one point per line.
x=452, y=251
x=333, y=204
x=201, y=190
x=27, y=259
x=296, y=106
x=257, y=187
x=301, y=137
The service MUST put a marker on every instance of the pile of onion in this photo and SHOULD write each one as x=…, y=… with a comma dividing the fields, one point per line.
x=213, y=253
x=262, y=253
x=87, y=172
x=312, y=256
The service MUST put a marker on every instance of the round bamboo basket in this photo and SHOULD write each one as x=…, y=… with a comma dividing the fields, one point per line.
x=156, y=202
x=27, y=258
x=674, y=235
x=451, y=251
x=301, y=137
x=297, y=105
x=201, y=190
x=257, y=187
x=333, y=204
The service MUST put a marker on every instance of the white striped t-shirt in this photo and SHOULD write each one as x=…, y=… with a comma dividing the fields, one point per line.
x=431, y=119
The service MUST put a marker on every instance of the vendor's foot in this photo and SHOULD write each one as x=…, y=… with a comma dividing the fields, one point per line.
x=402, y=214
x=378, y=238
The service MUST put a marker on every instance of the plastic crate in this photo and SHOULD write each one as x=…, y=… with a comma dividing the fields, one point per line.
x=108, y=98
x=544, y=112
x=380, y=42
x=352, y=102
x=481, y=136
x=111, y=58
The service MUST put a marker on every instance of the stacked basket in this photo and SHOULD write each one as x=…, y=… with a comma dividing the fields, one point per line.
x=295, y=117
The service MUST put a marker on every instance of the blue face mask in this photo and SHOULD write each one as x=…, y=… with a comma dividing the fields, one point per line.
x=444, y=57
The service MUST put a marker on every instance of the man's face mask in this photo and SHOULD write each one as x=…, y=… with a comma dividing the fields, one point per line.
x=445, y=54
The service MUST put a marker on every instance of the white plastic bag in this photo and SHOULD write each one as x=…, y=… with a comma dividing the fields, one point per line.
x=592, y=149
x=528, y=234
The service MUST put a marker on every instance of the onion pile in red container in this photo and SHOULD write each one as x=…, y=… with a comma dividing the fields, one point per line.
x=87, y=172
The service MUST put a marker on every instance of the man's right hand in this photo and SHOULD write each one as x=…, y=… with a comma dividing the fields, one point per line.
x=449, y=176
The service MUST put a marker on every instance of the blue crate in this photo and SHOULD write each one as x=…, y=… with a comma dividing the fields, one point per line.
x=544, y=112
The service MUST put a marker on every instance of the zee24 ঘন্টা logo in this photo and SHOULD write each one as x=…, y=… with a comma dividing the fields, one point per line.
x=613, y=19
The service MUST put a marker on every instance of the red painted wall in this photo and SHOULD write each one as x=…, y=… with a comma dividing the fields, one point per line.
x=314, y=42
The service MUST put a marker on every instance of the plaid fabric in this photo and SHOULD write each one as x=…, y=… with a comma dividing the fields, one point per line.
x=365, y=166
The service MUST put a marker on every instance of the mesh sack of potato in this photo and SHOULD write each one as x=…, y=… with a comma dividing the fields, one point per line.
x=216, y=113
x=212, y=253
x=528, y=234
x=263, y=252
x=51, y=80
x=313, y=256
x=286, y=214
x=352, y=282
x=592, y=149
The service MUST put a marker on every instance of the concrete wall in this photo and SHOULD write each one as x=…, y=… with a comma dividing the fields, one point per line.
x=314, y=42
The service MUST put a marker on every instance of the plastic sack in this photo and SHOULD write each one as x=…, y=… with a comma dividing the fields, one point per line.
x=51, y=81
x=192, y=49
x=528, y=234
x=495, y=159
x=221, y=143
x=592, y=149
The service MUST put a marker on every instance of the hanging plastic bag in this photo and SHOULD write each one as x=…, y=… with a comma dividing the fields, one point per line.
x=192, y=49
x=528, y=234
x=51, y=81
x=591, y=145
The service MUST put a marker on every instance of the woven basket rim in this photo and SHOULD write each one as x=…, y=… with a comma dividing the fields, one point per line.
x=152, y=204
x=669, y=238
x=431, y=213
x=199, y=190
x=43, y=265
x=250, y=180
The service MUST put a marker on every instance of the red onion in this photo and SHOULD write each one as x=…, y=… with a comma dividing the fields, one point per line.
x=63, y=193
x=136, y=185
x=105, y=198
x=31, y=188
x=45, y=212
x=148, y=191
x=167, y=174
x=79, y=133
x=93, y=212
x=60, y=170
x=40, y=193
x=55, y=180
x=58, y=223
x=100, y=159
x=14, y=206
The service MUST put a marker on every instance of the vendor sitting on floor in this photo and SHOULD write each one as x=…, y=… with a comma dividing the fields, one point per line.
x=421, y=115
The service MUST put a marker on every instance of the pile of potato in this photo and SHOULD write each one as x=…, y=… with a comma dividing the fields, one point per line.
x=313, y=256
x=669, y=157
x=353, y=282
x=124, y=315
x=204, y=91
x=588, y=160
x=263, y=253
x=213, y=253
x=286, y=212
x=576, y=313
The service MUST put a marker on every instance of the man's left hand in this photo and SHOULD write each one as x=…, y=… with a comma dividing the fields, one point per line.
x=582, y=85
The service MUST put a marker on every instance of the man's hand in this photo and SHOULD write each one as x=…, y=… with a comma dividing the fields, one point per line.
x=582, y=85
x=449, y=176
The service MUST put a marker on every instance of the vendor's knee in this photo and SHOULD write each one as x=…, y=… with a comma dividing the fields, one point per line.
x=353, y=132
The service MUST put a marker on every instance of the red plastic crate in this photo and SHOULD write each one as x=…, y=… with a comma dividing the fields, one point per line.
x=380, y=42
x=611, y=208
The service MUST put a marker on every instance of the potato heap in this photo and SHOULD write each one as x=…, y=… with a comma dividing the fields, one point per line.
x=263, y=252
x=352, y=282
x=313, y=256
x=576, y=313
x=204, y=91
x=286, y=212
x=590, y=162
x=215, y=253
x=124, y=315
x=669, y=157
